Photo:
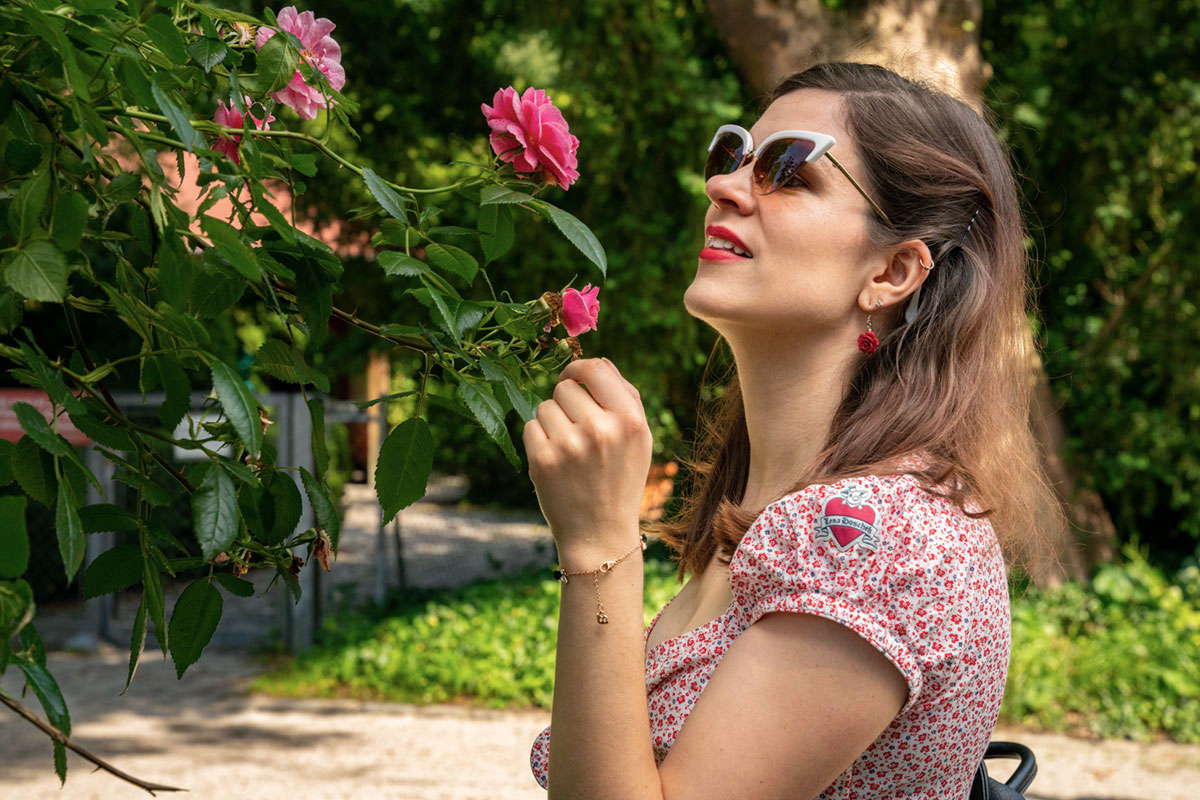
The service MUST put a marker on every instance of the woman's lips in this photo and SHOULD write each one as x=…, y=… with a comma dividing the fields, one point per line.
x=716, y=254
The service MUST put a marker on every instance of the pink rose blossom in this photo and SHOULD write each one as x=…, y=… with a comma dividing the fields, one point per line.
x=320, y=51
x=531, y=134
x=580, y=310
x=230, y=117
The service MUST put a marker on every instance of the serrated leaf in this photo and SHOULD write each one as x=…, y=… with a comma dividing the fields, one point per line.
x=70, y=218
x=316, y=411
x=282, y=503
x=14, y=537
x=235, y=586
x=577, y=234
x=50, y=379
x=22, y=155
x=31, y=640
x=402, y=471
x=48, y=694
x=60, y=762
x=166, y=37
x=496, y=225
x=106, y=517
x=194, y=621
x=323, y=507
x=71, y=544
x=152, y=596
x=283, y=361
x=229, y=244
x=522, y=402
x=488, y=411
x=397, y=263
x=16, y=607
x=113, y=570
x=12, y=310
x=453, y=260
x=33, y=468
x=36, y=427
x=137, y=642
x=25, y=210
x=277, y=61
x=176, y=115
x=215, y=513
x=493, y=195
x=384, y=194
x=207, y=52
x=239, y=406
x=38, y=272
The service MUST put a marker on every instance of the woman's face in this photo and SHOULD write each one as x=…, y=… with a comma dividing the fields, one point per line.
x=809, y=251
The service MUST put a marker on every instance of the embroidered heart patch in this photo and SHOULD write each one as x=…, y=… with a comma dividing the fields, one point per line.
x=847, y=519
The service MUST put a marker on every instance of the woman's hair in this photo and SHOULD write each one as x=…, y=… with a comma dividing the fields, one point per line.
x=955, y=384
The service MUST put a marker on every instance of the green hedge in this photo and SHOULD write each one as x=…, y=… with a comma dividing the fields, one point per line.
x=1117, y=657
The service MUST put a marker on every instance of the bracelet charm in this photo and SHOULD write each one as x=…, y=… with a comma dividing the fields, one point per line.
x=561, y=575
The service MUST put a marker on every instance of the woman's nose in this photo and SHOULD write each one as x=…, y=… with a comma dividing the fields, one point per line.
x=734, y=190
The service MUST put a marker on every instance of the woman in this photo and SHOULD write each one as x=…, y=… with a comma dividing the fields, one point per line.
x=846, y=629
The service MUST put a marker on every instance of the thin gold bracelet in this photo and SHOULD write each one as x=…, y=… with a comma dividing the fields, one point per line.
x=561, y=575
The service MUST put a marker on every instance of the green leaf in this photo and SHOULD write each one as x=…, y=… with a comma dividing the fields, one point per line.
x=397, y=263
x=12, y=310
x=316, y=411
x=38, y=272
x=22, y=156
x=60, y=762
x=70, y=218
x=25, y=210
x=46, y=689
x=135, y=81
x=137, y=642
x=522, y=402
x=283, y=361
x=207, y=52
x=14, y=538
x=490, y=415
x=166, y=37
x=177, y=388
x=35, y=425
x=16, y=608
x=152, y=597
x=176, y=116
x=493, y=195
x=33, y=468
x=323, y=508
x=235, y=586
x=215, y=513
x=304, y=163
x=383, y=193
x=229, y=243
x=106, y=517
x=277, y=62
x=113, y=570
x=281, y=507
x=6, y=454
x=402, y=471
x=193, y=622
x=50, y=379
x=239, y=405
x=214, y=290
x=453, y=260
x=577, y=234
x=109, y=436
x=71, y=544
x=32, y=640
x=496, y=225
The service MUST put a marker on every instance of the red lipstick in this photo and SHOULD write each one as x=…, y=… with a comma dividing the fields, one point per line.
x=722, y=254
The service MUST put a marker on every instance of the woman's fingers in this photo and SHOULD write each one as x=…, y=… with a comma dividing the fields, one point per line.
x=605, y=383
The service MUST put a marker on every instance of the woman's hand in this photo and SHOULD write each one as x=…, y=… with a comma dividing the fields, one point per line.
x=589, y=455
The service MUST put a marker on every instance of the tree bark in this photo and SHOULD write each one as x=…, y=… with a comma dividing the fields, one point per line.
x=936, y=42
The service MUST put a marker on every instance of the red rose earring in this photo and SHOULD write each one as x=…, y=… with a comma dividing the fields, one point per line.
x=868, y=342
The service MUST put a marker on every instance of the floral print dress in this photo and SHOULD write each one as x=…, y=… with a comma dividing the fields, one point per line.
x=912, y=574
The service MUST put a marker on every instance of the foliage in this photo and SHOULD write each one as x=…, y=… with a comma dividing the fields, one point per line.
x=103, y=106
x=490, y=643
x=1119, y=656
x=1116, y=657
x=1107, y=146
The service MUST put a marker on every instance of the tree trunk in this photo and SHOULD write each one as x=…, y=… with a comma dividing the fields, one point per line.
x=937, y=43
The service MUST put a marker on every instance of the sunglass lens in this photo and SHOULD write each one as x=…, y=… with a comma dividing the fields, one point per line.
x=725, y=156
x=779, y=162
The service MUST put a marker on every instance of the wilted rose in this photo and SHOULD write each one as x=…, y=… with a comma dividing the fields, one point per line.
x=529, y=132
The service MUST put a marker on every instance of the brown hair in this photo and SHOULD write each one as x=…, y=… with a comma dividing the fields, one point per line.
x=955, y=384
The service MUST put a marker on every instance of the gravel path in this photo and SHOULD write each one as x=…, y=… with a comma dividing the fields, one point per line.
x=209, y=735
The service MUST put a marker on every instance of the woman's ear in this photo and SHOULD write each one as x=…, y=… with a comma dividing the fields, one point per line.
x=900, y=274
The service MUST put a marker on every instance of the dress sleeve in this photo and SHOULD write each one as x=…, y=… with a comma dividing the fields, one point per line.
x=878, y=555
x=539, y=758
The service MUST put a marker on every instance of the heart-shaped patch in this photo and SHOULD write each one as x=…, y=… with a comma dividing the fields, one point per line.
x=848, y=518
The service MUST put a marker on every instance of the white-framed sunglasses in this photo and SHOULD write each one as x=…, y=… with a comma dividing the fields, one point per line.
x=776, y=160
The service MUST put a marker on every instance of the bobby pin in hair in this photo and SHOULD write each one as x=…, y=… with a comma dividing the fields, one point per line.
x=968, y=230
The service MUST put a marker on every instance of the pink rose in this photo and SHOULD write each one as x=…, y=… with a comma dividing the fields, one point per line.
x=230, y=117
x=580, y=309
x=320, y=51
x=531, y=134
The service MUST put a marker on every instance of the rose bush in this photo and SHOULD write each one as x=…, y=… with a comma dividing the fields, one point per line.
x=101, y=108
